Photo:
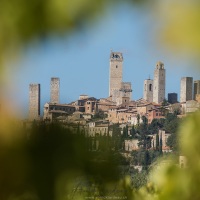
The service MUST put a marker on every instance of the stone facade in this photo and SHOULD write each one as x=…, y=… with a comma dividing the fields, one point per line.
x=196, y=89
x=148, y=90
x=90, y=107
x=53, y=111
x=55, y=86
x=186, y=89
x=155, y=114
x=191, y=106
x=159, y=83
x=162, y=136
x=116, y=67
x=34, y=101
x=126, y=90
x=98, y=128
x=125, y=93
x=131, y=145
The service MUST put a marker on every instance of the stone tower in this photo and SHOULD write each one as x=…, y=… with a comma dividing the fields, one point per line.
x=159, y=83
x=123, y=95
x=148, y=90
x=196, y=89
x=55, y=86
x=172, y=98
x=34, y=101
x=116, y=64
x=186, y=89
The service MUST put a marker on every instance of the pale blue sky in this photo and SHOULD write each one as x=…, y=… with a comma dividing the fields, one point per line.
x=81, y=61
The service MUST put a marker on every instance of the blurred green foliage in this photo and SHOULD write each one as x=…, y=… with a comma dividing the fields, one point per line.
x=180, y=31
x=46, y=162
x=47, y=159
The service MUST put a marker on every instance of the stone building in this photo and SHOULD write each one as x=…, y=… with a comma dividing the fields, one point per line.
x=105, y=104
x=163, y=136
x=155, y=113
x=90, y=106
x=191, y=106
x=123, y=95
x=148, y=90
x=186, y=89
x=98, y=128
x=116, y=67
x=131, y=145
x=55, y=86
x=196, y=89
x=159, y=83
x=172, y=98
x=53, y=111
x=34, y=101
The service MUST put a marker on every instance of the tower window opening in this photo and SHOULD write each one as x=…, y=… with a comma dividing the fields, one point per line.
x=150, y=87
x=116, y=66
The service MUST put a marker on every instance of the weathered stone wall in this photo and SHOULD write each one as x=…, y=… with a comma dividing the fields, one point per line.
x=148, y=90
x=196, y=89
x=116, y=67
x=159, y=83
x=186, y=89
x=55, y=85
x=34, y=101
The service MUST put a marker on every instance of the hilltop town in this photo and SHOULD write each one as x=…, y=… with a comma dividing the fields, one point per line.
x=97, y=116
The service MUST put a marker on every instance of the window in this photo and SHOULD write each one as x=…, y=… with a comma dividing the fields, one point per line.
x=88, y=108
x=116, y=66
x=150, y=87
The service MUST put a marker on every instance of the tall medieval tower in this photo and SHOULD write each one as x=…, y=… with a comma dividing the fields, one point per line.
x=55, y=85
x=186, y=89
x=148, y=90
x=196, y=89
x=159, y=83
x=34, y=101
x=116, y=65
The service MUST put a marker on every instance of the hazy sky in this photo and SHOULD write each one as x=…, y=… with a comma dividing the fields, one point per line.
x=81, y=61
